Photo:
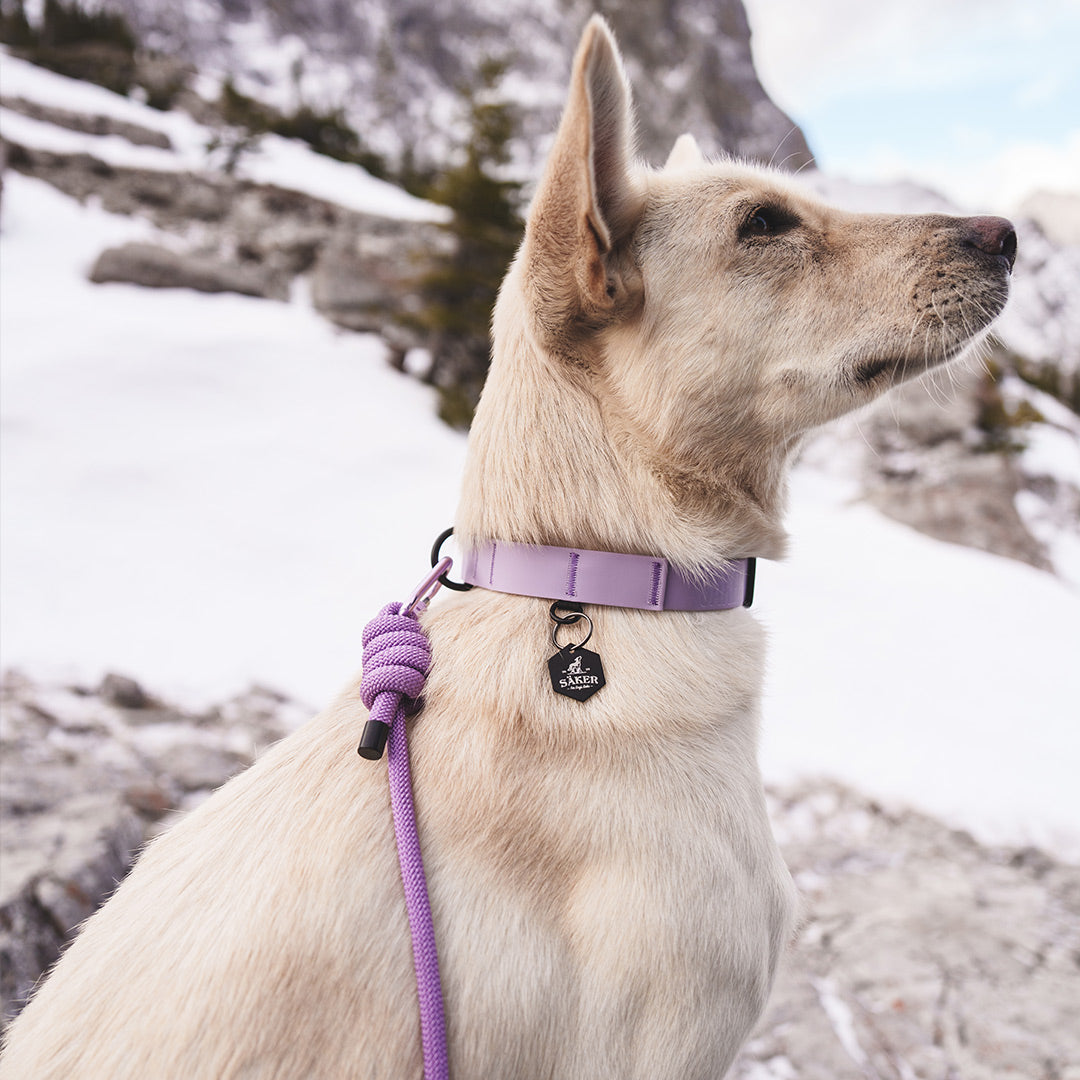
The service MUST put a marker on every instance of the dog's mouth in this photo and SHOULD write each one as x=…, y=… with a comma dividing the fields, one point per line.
x=878, y=373
x=955, y=336
x=869, y=370
x=953, y=302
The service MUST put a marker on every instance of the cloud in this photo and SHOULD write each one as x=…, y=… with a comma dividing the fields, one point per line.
x=810, y=53
x=976, y=97
x=995, y=181
x=1042, y=89
x=1020, y=168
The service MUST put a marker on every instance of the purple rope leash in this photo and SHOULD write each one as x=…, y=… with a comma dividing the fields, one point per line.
x=397, y=656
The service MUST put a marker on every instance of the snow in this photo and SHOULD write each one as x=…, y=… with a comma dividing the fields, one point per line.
x=287, y=163
x=204, y=491
x=921, y=671
x=197, y=490
x=292, y=164
x=840, y=1017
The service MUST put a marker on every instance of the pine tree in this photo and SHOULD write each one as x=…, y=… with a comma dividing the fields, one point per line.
x=96, y=45
x=15, y=27
x=458, y=292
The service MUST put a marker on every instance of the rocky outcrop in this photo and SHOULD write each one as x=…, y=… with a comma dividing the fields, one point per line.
x=922, y=954
x=159, y=268
x=88, y=774
x=948, y=454
x=362, y=276
x=251, y=238
x=88, y=123
x=403, y=66
x=927, y=464
x=173, y=201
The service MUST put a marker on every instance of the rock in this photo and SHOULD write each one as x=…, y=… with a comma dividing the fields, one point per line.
x=160, y=268
x=974, y=505
x=90, y=123
x=922, y=954
x=1040, y=326
x=691, y=67
x=162, y=79
x=400, y=68
x=255, y=238
x=122, y=691
x=172, y=201
x=345, y=287
x=365, y=281
x=923, y=460
x=58, y=868
x=87, y=776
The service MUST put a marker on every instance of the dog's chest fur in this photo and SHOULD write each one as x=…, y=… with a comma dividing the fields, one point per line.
x=615, y=858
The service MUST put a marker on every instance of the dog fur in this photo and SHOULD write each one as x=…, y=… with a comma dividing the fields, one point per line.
x=607, y=896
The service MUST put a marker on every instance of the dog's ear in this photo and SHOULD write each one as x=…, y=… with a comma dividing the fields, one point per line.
x=585, y=202
x=685, y=154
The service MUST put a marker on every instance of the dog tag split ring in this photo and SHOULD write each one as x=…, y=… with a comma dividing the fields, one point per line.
x=575, y=671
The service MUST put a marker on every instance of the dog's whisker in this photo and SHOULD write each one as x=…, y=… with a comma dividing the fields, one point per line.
x=780, y=144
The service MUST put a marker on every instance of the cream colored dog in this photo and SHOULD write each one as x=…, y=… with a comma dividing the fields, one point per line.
x=608, y=899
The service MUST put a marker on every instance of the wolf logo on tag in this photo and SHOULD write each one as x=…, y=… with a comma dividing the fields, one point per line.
x=576, y=673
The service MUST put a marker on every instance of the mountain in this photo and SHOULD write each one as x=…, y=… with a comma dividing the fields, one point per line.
x=397, y=69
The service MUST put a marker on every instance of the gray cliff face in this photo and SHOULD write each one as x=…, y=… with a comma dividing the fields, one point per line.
x=398, y=68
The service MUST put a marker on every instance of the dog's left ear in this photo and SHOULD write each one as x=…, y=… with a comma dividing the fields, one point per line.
x=586, y=202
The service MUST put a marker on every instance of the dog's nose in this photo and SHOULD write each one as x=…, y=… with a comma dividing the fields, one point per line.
x=994, y=235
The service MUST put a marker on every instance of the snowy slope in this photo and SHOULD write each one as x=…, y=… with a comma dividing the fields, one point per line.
x=922, y=671
x=288, y=163
x=201, y=491
x=192, y=486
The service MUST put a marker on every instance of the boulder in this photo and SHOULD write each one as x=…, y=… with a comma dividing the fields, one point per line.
x=923, y=459
x=160, y=268
x=88, y=775
x=922, y=954
x=366, y=279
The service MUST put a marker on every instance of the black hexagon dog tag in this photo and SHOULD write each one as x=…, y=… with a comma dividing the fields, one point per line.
x=576, y=672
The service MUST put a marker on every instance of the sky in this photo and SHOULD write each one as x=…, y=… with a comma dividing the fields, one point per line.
x=978, y=98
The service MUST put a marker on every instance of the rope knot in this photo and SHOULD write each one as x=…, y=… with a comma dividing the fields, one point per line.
x=397, y=656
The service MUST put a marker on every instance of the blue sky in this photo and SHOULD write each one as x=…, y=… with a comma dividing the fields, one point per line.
x=979, y=98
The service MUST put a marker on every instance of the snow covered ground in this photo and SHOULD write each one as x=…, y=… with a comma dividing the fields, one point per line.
x=286, y=162
x=202, y=491
x=163, y=450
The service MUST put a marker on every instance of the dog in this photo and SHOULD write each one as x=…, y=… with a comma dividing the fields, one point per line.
x=607, y=897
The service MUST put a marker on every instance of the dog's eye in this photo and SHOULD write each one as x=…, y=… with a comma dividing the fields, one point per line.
x=767, y=221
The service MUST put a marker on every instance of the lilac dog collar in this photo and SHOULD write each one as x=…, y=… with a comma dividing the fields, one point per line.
x=603, y=577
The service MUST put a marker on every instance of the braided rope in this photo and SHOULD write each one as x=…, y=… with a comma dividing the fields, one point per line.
x=397, y=656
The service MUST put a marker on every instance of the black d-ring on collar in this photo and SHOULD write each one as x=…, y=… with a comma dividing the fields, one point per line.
x=457, y=586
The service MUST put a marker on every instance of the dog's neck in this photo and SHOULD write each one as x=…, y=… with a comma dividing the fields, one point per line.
x=553, y=459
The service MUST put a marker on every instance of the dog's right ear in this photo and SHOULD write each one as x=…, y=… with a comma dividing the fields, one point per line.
x=586, y=201
x=685, y=154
